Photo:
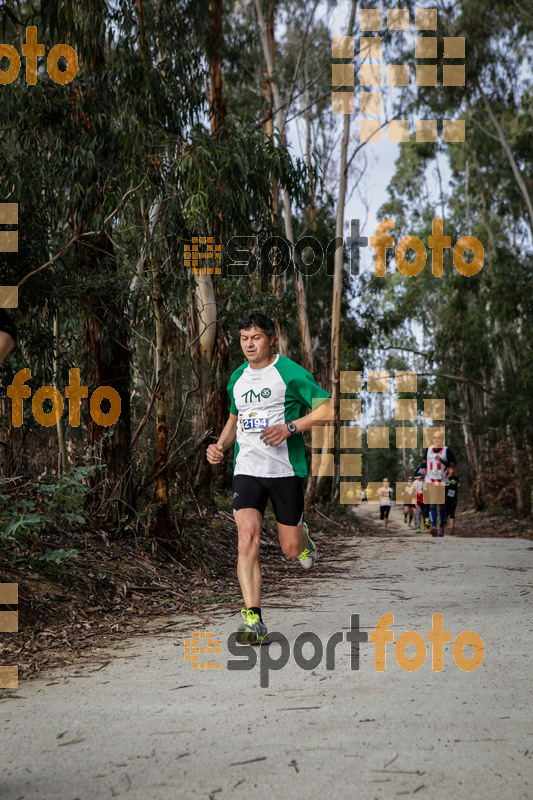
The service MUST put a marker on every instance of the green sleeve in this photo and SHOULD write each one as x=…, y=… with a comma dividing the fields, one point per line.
x=302, y=385
x=232, y=381
x=308, y=392
x=232, y=406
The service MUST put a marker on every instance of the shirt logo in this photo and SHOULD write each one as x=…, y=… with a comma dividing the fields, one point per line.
x=266, y=393
x=251, y=397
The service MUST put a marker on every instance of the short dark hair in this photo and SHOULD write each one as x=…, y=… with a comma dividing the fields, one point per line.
x=257, y=320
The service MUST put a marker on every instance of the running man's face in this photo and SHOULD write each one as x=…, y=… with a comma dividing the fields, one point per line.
x=256, y=345
x=438, y=439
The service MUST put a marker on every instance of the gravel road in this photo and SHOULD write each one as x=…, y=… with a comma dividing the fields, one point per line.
x=141, y=724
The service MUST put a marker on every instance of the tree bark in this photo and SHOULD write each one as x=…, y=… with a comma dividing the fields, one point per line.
x=161, y=490
x=208, y=350
x=279, y=282
x=339, y=265
x=217, y=104
x=301, y=300
x=62, y=460
x=315, y=487
x=105, y=342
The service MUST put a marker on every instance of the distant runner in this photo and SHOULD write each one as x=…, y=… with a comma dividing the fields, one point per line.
x=385, y=501
x=421, y=510
x=270, y=396
x=438, y=459
x=451, y=496
x=409, y=507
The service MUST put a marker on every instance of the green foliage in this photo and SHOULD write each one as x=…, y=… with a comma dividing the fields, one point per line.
x=56, y=505
x=52, y=561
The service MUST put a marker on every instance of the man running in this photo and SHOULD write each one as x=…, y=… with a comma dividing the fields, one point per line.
x=451, y=496
x=438, y=458
x=269, y=397
x=409, y=507
x=421, y=512
x=385, y=501
x=8, y=334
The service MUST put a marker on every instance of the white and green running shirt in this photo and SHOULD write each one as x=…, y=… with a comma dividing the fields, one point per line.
x=273, y=395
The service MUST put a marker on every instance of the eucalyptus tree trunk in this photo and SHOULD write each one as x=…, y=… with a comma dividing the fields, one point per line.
x=301, y=299
x=105, y=330
x=62, y=460
x=312, y=201
x=315, y=486
x=339, y=254
x=161, y=489
x=209, y=353
x=105, y=344
x=279, y=282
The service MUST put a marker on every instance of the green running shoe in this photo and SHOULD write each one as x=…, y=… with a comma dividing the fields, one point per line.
x=308, y=557
x=252, y=631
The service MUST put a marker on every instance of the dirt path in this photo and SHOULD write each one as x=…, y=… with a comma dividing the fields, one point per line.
x=141, y=724
x=396, y=523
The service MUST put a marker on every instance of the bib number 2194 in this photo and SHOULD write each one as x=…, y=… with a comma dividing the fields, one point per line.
x=255, y=424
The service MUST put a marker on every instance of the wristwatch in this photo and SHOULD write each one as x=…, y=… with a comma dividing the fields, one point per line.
x=292, y=427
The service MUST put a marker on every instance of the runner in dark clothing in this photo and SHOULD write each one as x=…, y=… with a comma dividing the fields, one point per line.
x=451, y=497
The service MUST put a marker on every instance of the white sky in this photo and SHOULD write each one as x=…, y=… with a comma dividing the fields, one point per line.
x=369, y=196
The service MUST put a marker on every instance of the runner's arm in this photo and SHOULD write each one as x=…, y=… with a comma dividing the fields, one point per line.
x=276, y=434
x=215, y=452
x=319, y=416
x=450, y=461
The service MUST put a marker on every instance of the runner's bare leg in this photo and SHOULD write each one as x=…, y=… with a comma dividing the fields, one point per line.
x=248, y=522
x=293, y=539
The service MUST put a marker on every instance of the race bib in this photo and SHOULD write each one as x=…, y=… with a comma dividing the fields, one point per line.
x=253, y=424
x=451, y=492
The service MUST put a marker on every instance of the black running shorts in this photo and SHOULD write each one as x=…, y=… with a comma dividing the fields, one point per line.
x=286, y=495
x=451, y=505
x=384, y=512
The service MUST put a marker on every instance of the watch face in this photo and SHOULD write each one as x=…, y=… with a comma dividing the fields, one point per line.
x=292, y=427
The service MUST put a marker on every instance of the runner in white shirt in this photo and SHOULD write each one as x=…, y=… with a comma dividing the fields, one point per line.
x=438, y=459
x=409, y=506
x=385, y=501
x=269, y=400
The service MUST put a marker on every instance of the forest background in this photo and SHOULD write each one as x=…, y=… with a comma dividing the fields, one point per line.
x=214, y=118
